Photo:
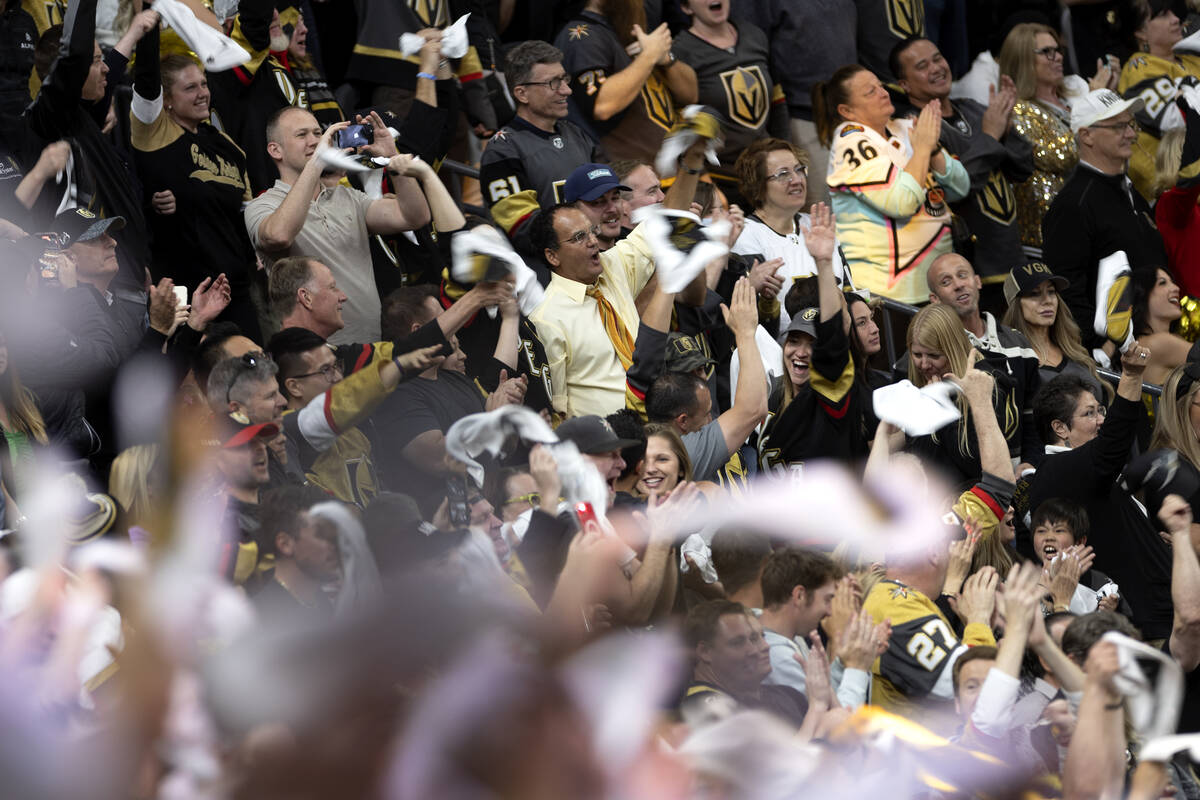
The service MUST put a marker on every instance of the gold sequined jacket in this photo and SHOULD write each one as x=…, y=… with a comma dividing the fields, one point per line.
x=1054, y=156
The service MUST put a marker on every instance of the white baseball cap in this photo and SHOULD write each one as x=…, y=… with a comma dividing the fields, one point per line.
x=1099, y=105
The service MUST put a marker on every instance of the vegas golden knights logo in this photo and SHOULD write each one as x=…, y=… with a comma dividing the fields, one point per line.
x=286, y=87
x=997, y=201
x=659, y=107
x=906, y=17
x=432, y=12
x=746, y=96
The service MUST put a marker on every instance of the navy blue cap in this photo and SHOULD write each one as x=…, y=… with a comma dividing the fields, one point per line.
x=589, y=181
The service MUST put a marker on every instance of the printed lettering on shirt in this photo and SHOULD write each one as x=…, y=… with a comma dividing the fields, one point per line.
x=906, y=18
x=219, y=171
x=503, y=187
x=1158, y=94
x=746, y=96
x=542, y=371
x=930, y=645
x=593, y=79
x=864, y=150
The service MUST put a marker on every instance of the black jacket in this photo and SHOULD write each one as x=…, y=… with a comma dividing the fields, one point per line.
x=1093, y=216
x=1126, y=543
x=106, y=181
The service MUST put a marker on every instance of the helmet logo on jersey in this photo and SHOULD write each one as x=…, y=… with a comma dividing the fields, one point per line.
x=997, y=201
x=659, y=108
x=746, y=96
x=906, y=18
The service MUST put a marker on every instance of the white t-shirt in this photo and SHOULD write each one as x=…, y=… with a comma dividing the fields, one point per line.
x=758, y=237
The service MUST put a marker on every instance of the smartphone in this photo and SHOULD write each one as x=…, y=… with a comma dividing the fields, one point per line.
x=456, y=497
x=53, y=244
x=181, y=295
x=586, y=514
x=355, y=136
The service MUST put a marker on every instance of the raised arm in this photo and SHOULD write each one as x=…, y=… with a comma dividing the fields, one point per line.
x=749, y=407
x=994, y=459
x=1176, y=516
x=1095, y=764
x=279, y=229
x=445, y=213
x=622, y=88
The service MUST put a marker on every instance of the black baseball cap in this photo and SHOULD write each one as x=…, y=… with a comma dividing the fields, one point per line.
x=589, y=181
x=686, y=353
x=592, y=434
x=805, y=321
x=82, y=225
x=1027, y=277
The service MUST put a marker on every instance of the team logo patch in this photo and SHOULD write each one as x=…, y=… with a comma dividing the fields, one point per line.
x=849, y=129
x=83, y=212
x=659, y=107
x=746, y=96
x=997, y=200
x=557, y=142
x=900, y=593
x=501, y=134
x=906, y=18
x=577, y=32
x=935, y=202
x=809, y=314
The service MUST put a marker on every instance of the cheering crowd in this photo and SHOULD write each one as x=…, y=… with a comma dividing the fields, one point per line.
x=678, y=399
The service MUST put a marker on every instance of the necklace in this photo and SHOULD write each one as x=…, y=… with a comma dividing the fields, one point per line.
x=288, y=589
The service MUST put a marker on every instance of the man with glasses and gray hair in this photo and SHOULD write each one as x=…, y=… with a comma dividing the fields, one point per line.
x=1098, y=212
x=536, y=151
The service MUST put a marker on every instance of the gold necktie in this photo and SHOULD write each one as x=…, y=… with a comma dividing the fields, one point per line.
x=621, y=340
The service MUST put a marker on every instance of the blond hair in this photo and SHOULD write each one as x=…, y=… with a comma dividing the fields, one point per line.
x=129, y=481
x=1018, y=61
x=938, y=328
x=1172, y=424
x=1167, y=160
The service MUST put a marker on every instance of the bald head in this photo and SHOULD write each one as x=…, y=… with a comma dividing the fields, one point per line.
x=952, y=281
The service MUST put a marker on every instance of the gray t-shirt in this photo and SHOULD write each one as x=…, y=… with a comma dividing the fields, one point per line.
x=334, y=233
x=707, y=450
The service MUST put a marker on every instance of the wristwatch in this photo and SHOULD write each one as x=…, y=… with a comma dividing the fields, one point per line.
x=670, y=59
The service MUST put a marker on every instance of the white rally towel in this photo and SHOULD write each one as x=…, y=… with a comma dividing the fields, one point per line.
x=454, y=40
x=216, y=50
x=1153, y=707
x=696, y=122
x=681, y=245
x=488, y=242
x=917, y=412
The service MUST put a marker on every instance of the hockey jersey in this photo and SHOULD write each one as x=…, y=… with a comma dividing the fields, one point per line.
x=1156, y=81
x=891, y=227
x=739, y=85
x=913, y=678
x=522, y=156
x=591, y=53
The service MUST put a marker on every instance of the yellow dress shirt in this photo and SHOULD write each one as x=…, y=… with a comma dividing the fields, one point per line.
x=585, y=372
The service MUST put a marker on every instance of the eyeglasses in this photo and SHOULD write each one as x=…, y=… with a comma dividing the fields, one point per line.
x=580, y=237
x=785, y=174
x=247, y=362
x=554, y=83
x=1051, y=53
x=328, y=372
x=533, y=498
x=1092, y=413
x=1120, y=126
